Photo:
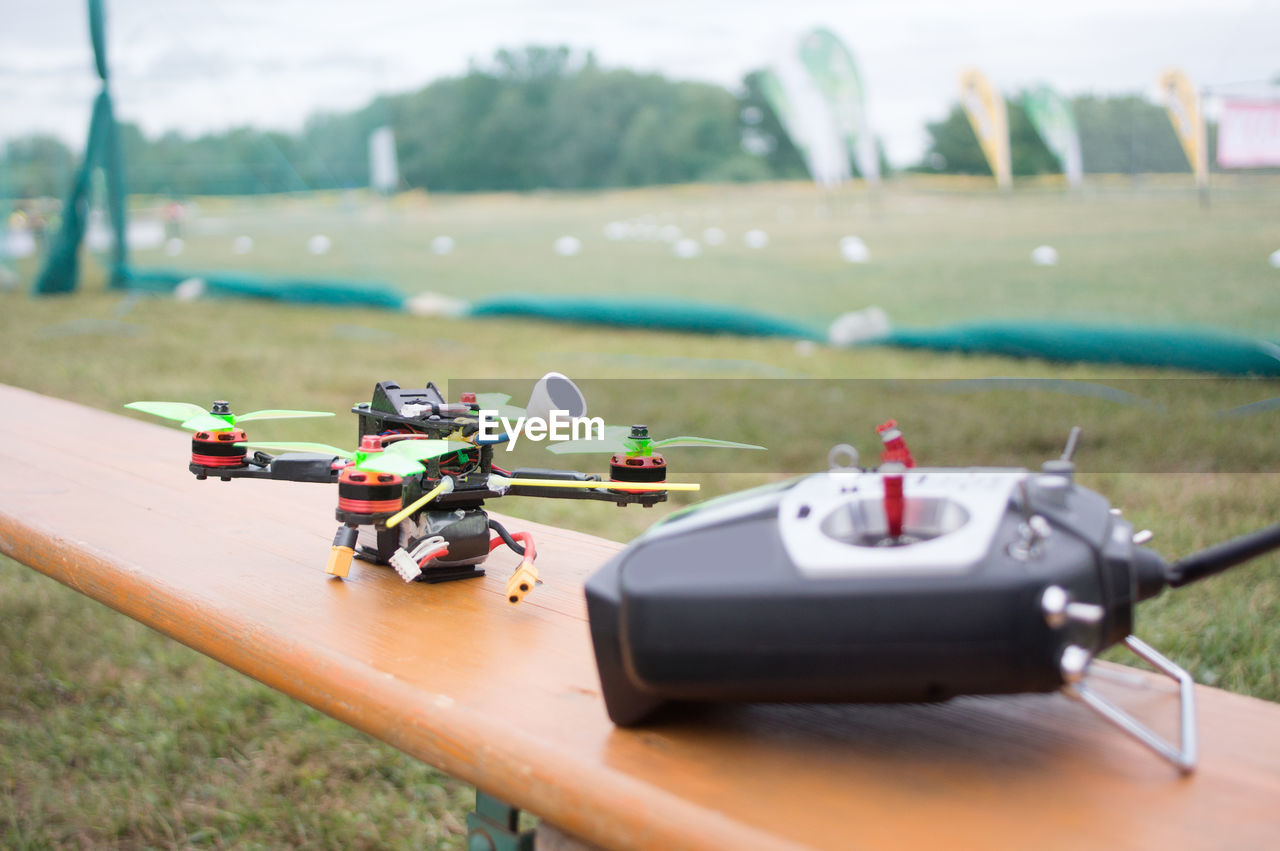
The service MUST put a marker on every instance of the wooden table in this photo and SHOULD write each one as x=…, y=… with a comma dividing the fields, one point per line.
x=507, y=698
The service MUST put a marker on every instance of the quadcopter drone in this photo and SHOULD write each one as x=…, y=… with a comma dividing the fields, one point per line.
x=411, y=495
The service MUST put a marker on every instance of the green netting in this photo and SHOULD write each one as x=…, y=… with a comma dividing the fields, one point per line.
x=61, y=269
x=339, y=293
x=662, y=314
x=1194, y=349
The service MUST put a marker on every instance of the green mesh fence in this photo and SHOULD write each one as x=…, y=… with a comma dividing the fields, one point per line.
x=61, y=270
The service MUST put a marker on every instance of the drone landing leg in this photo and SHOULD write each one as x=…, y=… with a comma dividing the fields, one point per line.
x=387, y=542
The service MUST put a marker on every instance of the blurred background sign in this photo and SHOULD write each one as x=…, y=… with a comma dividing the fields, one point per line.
x=384, y=174
x=1183, y=103
x=984, y=105
x=1249, y=132
x=1051, y=115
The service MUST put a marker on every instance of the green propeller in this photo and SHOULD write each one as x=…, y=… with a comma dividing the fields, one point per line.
x=401, y=457
x=635, y=441
x=218, y=417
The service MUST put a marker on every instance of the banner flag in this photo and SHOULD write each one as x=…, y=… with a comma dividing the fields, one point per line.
x=384, y=173
x=804, y=116
x=831, y=66
x=1054, y=120
x=1249, y=133
x=989, y=117
x=1183, y=104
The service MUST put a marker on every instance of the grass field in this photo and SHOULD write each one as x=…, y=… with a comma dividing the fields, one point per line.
x=112, y=735
x=941, y=250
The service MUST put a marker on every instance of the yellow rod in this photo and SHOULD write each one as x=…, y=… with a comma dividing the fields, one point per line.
x=394, y=520
x=619, y=486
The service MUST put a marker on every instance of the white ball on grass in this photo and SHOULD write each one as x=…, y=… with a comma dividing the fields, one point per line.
x=442, y=245
x=1045, y=255
x=19, y=244
x=859, y=326
x=242, y=245
x=617, y=230
x=755, y=238
x=436, y=304
x=99, y=238
x=687, y=248
x=319, y=244
x=854, y=250
x=144, y=234
x=1275, y=260
x=568, y=246
x=189, y=290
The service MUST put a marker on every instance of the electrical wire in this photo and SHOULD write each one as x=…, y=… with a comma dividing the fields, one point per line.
x=505, y=537
x=440, y=553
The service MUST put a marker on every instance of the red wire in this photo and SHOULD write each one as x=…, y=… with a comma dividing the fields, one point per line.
x=530, y=551
x=440, y=553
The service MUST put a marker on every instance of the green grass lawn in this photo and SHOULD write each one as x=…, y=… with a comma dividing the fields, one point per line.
x=113, y=735
x=938, y=254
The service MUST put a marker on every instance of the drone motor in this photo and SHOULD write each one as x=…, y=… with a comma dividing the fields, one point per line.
x=218, y=448
x=364, y=495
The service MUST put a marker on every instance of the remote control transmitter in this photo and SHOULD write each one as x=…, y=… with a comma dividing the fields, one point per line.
x=899, y=583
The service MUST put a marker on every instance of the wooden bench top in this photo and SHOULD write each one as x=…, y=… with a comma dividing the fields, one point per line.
x=507, y=698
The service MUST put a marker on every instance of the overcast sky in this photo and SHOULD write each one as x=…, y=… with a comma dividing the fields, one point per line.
x=197, y=65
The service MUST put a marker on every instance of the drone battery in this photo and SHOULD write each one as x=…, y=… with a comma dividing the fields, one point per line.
x=465, y=531
x=218, y=448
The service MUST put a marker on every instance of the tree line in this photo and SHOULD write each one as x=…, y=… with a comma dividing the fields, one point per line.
x=549, y=117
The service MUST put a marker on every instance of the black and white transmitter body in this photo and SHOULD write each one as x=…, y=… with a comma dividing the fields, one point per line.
x=795, y=593
x=895, y=584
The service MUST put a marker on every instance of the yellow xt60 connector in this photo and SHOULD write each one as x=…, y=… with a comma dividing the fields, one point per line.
x=339, y=563
x=521, y=582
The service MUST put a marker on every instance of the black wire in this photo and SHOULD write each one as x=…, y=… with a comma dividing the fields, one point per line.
x=506, y=536
x=1225, y=555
